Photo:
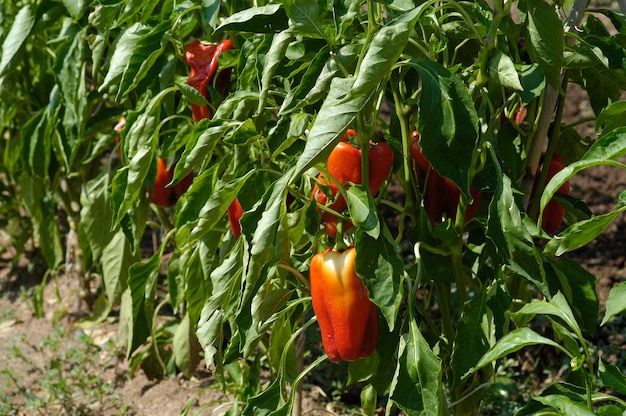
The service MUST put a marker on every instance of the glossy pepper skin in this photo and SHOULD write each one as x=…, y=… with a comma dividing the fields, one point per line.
x=441, y=196
x=346, y=316
x=553, y=213
x=344, y=163
x=160, y=194
x=234, y=214
x=202, y=58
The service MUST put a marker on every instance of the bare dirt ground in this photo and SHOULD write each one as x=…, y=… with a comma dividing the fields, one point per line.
x=35, y=338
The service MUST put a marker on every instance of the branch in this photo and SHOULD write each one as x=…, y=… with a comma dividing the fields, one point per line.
x=551, y=98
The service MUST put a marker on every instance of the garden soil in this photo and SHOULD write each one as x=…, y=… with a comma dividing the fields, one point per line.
x=19, y=328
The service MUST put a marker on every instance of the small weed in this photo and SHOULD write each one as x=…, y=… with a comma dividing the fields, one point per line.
x=67, y=371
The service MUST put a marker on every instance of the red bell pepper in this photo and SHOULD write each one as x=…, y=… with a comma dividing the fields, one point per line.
x=344, y=163
x=234, y=214
x=160, y=194
x=202, y=58
x=553, y=212
x=441, y=196
x=346, y=316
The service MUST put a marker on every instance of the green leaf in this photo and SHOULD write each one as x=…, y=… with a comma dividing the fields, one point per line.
x=190, y=93
x=382, y=54
x=142, y=283
x=211, y=213
x=332, y=121
x=75, y=7
x=416, y=387
x=579, y=288
x=472, y=333
x=612, y=376
x=603, y=151
x=564, y=405
x=511, y=238
x=123, y=50
x=533, y=81
x=615, y=303
x=16, y=38
x=145, y=52
x=580, y=233
x=512, y=342
x=545, y=40
x=117, y=257
x=363, y=210
x=303, y=17
x=502, y=70
x=95, y=214
x=185, y=347
x=264, y=403
x=612, y=117
x=262, y=19
x=274, y=56
x=557, y=306
x=379, y=264
x=447, y=122
x=200, y=145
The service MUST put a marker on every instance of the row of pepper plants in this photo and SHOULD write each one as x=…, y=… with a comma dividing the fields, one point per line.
x=235, y=177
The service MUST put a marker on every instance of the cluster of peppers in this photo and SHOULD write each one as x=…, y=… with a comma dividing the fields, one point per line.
x=203, y=61
x=346, y=316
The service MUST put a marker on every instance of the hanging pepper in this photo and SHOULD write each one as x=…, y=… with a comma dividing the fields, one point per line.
x=165, y=196
x=346, y=316
x=203, y=60
x=234, y=214
x=344, y=163
x=553, y=212
x=441, y=195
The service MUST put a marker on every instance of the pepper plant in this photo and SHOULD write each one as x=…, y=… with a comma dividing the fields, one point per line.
x=467, y=95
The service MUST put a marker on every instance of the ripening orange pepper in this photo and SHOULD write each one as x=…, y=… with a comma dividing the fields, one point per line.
x=346, y=316
x=441, y=196
x=165, y=196
x=344, y=163
x=203, y=60
x=554, y=212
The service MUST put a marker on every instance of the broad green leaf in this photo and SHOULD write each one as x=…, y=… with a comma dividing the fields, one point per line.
x=274, y=56
x=512, y=342
x=75, y=7
x=69, y=69
x=190, y=93
x=533, y=81
x=303, y=17
x=209, y=15
x=416, y=387
x=557, y=306
x=610, y=410
x=379, y=264
x=363, y=210
x=146, y=51
x=142, y=283
x=511, y=238
x=447, y=122
x=95, y=215
x=579, y=288
x=185, y=347
x=612, y=376
x=117, y=257
x=196, y=273
x=612, y=117
x=603, y=151
x=16, y=38
x=211, y=213
x=200, y=145
x=580, y=233
x=615, y=303
x=282, y=329
x=564, y=405
x=502, y=70
x=210, y=336
x=382, y=54
x=123, y=49
x=262, y=19
x=545, y=40
x=139, y=142
x=335, y=116
x=266, y=402
x=472, y=336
